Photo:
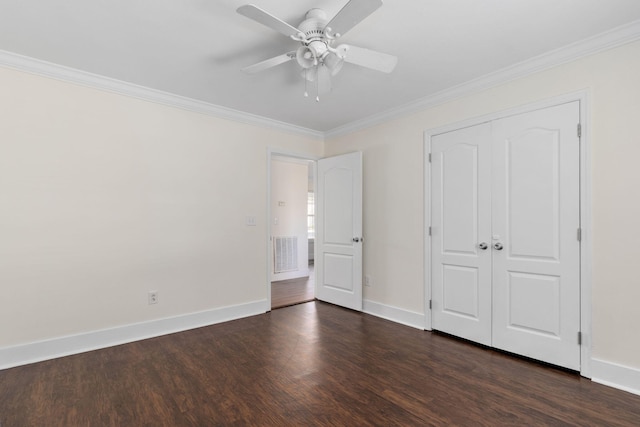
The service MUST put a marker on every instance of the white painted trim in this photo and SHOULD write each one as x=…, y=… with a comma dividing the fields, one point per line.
x=585, y=207
x=586, y=246
x=615, y=375
x=608, y=40
x=581, y=96
x=426, y=269
x=292, y=156
x=394, y=314
x=74, y=344
x=83, y=78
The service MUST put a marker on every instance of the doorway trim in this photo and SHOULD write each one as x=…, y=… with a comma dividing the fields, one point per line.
x=271, y=153
x=586, y=249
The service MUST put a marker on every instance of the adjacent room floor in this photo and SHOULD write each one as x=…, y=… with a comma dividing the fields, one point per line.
x=294, y=291
x=307, y=364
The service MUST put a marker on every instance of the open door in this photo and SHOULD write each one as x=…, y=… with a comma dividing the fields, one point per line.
x=339, y=231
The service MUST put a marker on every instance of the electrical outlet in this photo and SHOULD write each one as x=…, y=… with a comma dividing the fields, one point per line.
x=368, y=281
x=153, y=297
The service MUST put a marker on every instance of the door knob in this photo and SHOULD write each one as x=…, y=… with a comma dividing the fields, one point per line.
x=483, y=246
x=498, y=246
x=356, y=239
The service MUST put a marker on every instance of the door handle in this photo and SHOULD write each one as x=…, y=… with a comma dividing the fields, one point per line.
x=498, y=246
x=483, y=246
x=358, y=239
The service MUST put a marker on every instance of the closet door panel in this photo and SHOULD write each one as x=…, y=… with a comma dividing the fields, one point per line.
x=535, y=218
x=461, y=220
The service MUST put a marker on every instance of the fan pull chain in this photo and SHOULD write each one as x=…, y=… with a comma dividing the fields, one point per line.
x=306, y=94
x=317, y=84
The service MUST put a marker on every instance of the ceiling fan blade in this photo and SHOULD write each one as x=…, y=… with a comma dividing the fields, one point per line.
x=265, y=18
x=371, y=59
x=351, y=14
x=268, y=63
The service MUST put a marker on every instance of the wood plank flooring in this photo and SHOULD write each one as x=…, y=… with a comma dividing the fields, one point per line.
x=294, y=291
x=311, y=364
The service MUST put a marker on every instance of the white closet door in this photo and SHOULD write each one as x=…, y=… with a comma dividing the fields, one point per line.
x=535, y=220
x=461, y=221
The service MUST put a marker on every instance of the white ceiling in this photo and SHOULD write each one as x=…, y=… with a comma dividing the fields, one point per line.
x=196, y=48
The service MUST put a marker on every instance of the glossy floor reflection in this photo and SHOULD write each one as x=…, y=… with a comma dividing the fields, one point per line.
x=308, y=364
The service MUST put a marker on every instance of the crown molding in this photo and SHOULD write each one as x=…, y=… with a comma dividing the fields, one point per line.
x=608, y=40
x=83, y=78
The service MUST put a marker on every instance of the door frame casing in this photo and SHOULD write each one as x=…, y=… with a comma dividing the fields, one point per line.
x=585, y=208
x=271, y=153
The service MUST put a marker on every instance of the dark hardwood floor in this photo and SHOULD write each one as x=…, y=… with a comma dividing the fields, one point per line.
x=308, y=364
x=294, y=291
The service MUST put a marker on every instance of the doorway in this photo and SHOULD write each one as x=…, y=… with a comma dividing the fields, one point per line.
x=292, y=230
x=336, y=227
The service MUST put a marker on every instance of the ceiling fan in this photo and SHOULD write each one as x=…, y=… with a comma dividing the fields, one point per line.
x=316, y=55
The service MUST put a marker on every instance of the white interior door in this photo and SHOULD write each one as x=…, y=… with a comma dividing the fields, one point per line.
x=461, y=233
x=513, y=184
x=536, y=216
x=339, y=231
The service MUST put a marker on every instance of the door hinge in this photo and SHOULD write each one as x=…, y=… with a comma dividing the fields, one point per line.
x=579, y=130
x=579, y=338
x=429, y=157
x=429, y=230
x=430, y=304
x=579, y=235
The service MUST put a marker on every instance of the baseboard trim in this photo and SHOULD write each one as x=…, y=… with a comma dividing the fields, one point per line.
x=394, y=314
x=616, y=376
x=74, y=344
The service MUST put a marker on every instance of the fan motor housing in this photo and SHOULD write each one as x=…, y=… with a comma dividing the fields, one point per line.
x=313, y=26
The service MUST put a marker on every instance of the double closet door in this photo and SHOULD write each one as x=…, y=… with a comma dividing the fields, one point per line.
x=505, y=234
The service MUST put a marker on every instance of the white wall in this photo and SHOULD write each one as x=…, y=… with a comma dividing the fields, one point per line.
x=289, y=182
x=394, y=194
x=104, y=197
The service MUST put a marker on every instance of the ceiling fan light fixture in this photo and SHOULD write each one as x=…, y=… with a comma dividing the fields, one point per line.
x=316, y=56
x=333, y=62
x=305, y=57
x=309, y=74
